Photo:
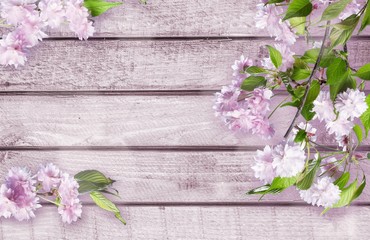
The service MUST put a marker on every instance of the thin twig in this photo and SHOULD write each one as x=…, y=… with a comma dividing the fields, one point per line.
x=309, y=81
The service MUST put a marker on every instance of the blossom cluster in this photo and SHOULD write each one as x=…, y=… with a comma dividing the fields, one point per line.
x=242, y=111
x=323, y=88
x=20, y=194
x=29, y=19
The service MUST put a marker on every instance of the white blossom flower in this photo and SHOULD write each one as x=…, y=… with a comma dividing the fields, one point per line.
x=340, y=127
x=308, y=128
x=263, y=168
x=323, y=193
x=323, y=107
x=288, y=160
x=351, y=104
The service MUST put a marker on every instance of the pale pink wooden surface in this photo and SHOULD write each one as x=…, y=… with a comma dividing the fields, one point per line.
x=139, y=108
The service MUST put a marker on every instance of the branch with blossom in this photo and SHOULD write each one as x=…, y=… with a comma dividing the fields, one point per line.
x=27, y=21
x=22, y=192
x=323, y=88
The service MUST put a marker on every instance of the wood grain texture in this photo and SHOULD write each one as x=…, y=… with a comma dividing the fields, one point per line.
x=153, y=177
x=126, y=121
x=166, y=18
x=140, y=65
x=196, y=223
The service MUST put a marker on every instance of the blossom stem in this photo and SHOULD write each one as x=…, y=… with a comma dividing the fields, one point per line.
x=48, y=200
x=279, y=105
x=309, y=81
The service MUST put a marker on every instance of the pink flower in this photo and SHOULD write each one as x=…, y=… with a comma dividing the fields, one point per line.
x=30, y=30
x=18, y=195
x=269, y=17
x=70, y=207
x=16, y=11
x=263, y=168
x=12, y=50
x=227, y=100
x=239, y=67
x=49, y=176
x=77, y=16
x=260, y=101
x=52, y=12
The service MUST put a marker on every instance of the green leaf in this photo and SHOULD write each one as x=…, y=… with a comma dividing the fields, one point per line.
x=106, y=204
x=313, y=92
x=365, y=117
x=299, y=24
x=360, y=189
x=300, y=74
x=364, y=72
x=358, y=131
x=340, y=35
x=334, y=9
x=255, y=70
x=346, y=195
x=275, y=56
x=252, y=82
x=368, y=155
x=342, y=181
x=310, y=56
x=301, y=136
x=98, y=7
x=336, y=71
x=366, y=18
x=93, y=176
x=306, y=179
x=307, y=112
x=278, y=185
x=298, y=8
x=85, y=186
x=342, y=85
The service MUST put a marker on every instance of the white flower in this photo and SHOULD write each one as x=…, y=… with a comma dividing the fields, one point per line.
x=351, y=104
x=263, y=169
x=340, y=127
x=323, y=107
x=323, y=193
x=288, y=160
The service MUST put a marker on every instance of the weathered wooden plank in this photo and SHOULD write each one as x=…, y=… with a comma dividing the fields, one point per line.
x=164, y=177
x=277, y=222
x=140, y=65
x=166, y=18
x=126, y=121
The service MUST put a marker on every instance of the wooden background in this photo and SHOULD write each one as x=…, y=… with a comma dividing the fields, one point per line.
x=135, y=102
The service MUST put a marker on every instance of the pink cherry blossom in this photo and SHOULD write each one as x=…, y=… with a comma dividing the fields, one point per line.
x=49, y=177
x=70, y=206
x=263, y=168
x=239, y=68
x=18, y=195
x=323, y=107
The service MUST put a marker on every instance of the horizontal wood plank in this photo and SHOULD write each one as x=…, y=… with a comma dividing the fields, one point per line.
x=166, y=18
x=176, y=18
x=127, y=121
x=153, y=177
x=196, y=223
x=118, y=65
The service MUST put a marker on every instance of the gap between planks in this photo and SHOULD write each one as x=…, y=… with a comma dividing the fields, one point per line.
x=156, y=148
x=216, y=204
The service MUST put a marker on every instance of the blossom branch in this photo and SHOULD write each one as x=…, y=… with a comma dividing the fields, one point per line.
x=309, y=81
